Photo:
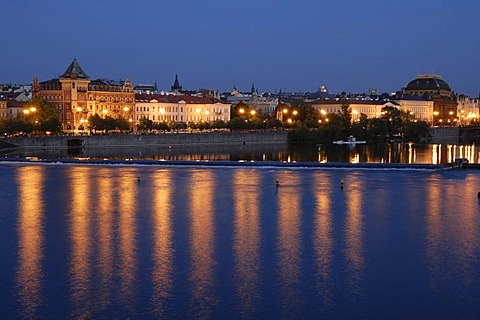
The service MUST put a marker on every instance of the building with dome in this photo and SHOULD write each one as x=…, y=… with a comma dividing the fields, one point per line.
x=77, y=97
x=433, y=87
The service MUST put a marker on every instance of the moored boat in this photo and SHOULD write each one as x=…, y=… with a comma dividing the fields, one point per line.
x=351, y=140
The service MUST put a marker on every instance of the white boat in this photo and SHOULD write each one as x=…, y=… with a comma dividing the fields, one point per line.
x=351, y=140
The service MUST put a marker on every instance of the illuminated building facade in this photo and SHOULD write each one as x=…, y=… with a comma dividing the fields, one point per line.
x=419, y=109
x=266, y=105
x=3, y=109
x=468, y=109
x=370, y=108
x=77, y=97
x=433, y=87
x=180, y=108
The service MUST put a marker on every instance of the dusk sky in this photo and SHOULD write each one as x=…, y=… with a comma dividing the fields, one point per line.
x=347, y=45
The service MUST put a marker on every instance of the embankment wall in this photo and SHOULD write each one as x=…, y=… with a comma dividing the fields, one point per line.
x=445, y=134
x=167, y=139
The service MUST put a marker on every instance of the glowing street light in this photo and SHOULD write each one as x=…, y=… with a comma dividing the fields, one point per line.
x=241, y=110
x=253, y=112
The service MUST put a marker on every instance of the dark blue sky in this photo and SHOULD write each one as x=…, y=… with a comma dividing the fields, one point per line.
x=346, y=45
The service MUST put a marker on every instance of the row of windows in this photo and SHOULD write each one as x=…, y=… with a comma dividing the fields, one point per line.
x=110, y=99
x=52, y=98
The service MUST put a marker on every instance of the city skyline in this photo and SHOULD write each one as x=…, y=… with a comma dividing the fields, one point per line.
x=347, y=46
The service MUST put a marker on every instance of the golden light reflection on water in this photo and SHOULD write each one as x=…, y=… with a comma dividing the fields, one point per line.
x=462, y=152
x=247, y=236
x=202, y=241
x=353, y=228
x=451, y=235
x=162, y=240
x=80, y=231
x=322, y=240
x=436, y=153
x=468, y=229
x=127, y=228
x=105, y=221
x=434, y=231
x=412, y=153
x=30, y=180
x=289, y=234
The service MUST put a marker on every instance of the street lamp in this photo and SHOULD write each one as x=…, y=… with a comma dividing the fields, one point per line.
x=83, y=121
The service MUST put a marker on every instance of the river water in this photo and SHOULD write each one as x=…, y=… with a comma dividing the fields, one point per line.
x=96, y=241
x=379, y=153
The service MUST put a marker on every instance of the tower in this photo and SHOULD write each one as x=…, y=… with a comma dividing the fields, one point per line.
x=74, y=83
x=176, y=85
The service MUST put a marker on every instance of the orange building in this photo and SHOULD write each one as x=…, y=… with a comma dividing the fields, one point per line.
x=77, y=97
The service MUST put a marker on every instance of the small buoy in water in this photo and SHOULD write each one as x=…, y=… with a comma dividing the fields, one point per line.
x=138, y=178
x=341, y=184
x=478, y=195
x=276, y=183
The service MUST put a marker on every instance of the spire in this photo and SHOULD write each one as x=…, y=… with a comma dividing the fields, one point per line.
x=74, y=71
x=35, y=86
x=253, y=88
x=176, y=84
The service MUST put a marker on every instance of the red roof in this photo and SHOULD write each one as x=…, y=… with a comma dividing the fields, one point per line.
x=350, y=101
x=15, y=103
x=176, y=98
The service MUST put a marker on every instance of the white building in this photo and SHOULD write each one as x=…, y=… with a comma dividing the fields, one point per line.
x=420, y=109
x=180, y=108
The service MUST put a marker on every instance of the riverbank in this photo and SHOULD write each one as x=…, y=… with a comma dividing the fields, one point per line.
x=166, y=139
